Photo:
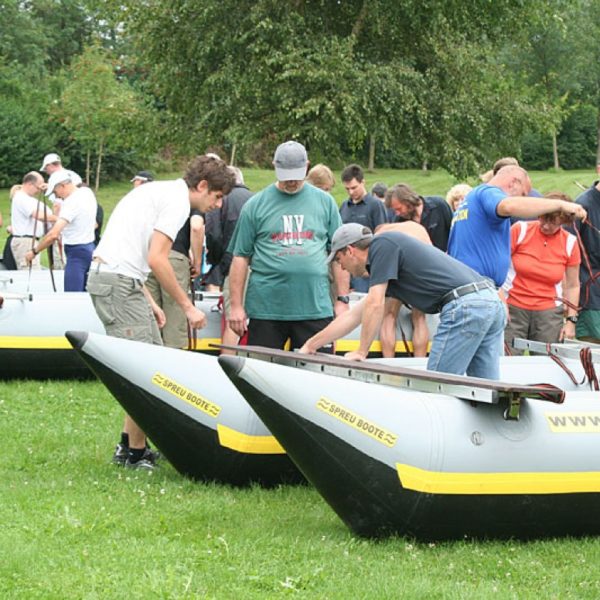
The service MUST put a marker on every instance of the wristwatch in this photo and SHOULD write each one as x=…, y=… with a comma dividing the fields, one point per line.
x=572, y=318
x=344, y=299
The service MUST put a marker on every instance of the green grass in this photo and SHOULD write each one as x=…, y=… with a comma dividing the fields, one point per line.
x=74, y=526
x=425, y=182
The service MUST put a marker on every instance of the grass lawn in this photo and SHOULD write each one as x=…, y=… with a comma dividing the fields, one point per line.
x=74, y=526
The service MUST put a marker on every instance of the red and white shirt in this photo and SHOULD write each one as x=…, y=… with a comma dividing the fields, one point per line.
x=538, y=265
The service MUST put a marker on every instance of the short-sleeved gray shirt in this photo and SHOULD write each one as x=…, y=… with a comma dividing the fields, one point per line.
x=418, y=274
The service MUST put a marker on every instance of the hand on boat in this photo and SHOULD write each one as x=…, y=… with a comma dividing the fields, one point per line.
x=195, y=317
x=306, y=349
x=355, y=355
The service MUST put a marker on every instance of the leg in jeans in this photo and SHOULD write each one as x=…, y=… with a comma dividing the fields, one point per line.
x=486, y=361
x=469, y=325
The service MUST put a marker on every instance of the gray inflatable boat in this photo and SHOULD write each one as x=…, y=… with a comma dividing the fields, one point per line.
x=395, y=449
x=32, y=328
x=189, y=408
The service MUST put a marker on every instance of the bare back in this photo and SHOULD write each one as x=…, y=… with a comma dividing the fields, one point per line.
x=411, y=228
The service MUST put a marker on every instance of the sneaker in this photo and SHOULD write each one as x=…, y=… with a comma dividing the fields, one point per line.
x=120, y=455
x=145, y=464
x=153, y=455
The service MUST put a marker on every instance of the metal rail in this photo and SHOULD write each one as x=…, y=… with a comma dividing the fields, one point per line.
x=467, y=388
x=570, y=349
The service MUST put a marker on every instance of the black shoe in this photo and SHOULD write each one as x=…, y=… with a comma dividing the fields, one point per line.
x=144, y=464
x=153, y=455
x=121, y=454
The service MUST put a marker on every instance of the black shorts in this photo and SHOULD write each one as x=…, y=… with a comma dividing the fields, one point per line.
x=274, y=334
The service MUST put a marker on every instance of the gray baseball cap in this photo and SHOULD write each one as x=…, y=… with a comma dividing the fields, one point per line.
x=290, y=161
x=346, y=235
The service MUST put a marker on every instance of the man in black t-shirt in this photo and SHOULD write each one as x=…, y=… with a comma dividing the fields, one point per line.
x=433, y=212
x=588, y=324
x=185, y=257
x=472, y=317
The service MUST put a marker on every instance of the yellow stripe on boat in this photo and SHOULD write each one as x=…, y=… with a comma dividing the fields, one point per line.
x=249, y=444
x=436, y=482
x=23, y=342
x=39, y=342
x=344, y=345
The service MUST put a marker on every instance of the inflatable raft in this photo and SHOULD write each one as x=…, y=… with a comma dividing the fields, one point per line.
x=32, y=333
x=40, y=281
x=32, y=327
x=189, y=408
x=397, y=450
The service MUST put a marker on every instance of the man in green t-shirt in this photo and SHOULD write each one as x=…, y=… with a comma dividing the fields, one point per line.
x=285, y=231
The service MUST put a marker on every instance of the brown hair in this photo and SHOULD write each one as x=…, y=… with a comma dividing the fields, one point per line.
x=556, y=195
x=212, y=170
x=403, y=193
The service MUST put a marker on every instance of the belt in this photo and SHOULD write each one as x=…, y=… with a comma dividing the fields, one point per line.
x=463, y=290
x=24, y=236
x=98, y=266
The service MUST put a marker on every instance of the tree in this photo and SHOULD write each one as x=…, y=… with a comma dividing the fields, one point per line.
x=335, y=74
x=100, y=112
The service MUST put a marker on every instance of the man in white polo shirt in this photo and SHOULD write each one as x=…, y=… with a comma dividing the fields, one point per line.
x=77, y=224
x=137, y=240
x=50, y=165
x=25, y=212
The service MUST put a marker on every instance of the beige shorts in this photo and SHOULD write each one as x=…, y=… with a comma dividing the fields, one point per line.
x=122, y=307
x=175, y=331
x=20, y=246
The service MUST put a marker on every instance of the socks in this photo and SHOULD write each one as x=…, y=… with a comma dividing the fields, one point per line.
x=135, y=454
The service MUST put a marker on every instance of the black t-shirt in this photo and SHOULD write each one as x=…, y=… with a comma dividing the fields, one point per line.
x=181, y=243
x=99, y=221
x=417, y=274
x=590, y=200
x=437, y=218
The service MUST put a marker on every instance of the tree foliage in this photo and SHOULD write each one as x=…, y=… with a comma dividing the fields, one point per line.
x=334, y=73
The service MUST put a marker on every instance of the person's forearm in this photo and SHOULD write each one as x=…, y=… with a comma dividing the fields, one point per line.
x=370, y=324
x=572, y=296
x=197, y=244
x=41, y=216
x=338, y=328
x=237, y=279
x=529, y=207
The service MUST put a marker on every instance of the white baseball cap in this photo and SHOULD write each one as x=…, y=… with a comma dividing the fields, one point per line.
x=60, y=176
x=49, y=159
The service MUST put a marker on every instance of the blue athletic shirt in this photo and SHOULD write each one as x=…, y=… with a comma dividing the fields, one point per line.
x=479, y=237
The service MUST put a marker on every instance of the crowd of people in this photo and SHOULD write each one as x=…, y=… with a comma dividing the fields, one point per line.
x=496, y=262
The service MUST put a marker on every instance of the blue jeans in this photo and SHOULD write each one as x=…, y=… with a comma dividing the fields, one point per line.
x=469, y=336
x=79, y=257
